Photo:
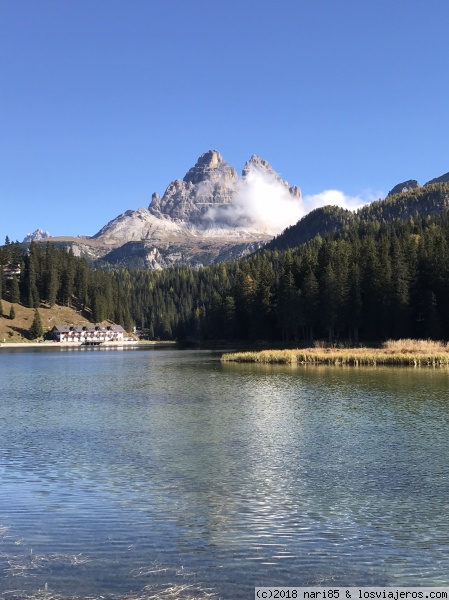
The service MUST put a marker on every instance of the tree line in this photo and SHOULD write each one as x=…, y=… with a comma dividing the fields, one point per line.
x=53, y=275
x=370, y=280
x=373, y=280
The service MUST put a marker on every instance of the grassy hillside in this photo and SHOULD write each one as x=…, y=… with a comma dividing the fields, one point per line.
x=16, y=330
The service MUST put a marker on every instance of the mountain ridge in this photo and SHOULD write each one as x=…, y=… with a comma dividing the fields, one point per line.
x=417, y=202
x=203, y=217
x=198, y=220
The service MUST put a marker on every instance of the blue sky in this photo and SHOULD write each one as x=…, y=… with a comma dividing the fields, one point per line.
x=103, y=102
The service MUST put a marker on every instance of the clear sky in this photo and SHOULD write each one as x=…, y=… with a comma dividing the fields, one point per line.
x=103, y=102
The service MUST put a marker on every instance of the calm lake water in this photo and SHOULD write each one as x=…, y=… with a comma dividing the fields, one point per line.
x=130, y=472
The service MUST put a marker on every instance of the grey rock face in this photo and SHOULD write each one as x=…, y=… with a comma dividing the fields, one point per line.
x=209, y=183
x=263, y=167
x=211, y=167
x=199, y=220
x=212, y=182
x=411, y=184
x=441, y=179
x=39, y=234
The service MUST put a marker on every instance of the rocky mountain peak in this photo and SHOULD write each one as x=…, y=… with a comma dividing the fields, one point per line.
x=411, y=184
x=256, y=162
x=210, y=167
x=210, y=184
x=39, y=234
x=262, y=166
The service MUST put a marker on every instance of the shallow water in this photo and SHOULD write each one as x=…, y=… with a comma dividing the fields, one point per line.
x=125, y=472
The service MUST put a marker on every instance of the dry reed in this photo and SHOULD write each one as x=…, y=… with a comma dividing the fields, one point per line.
x=27, y=564
x=398, y=353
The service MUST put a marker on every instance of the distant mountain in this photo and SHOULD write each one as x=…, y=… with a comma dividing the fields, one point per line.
x=200, y=219
x=321, y=221
x=411, y=184
x=415, y=202
x=442, y=179
x=210, y=183
x=36, y=236
x=205, y=218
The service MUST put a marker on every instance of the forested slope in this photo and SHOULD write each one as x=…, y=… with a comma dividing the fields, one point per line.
x=428, y=200
x=376, y=281
x=54, y=276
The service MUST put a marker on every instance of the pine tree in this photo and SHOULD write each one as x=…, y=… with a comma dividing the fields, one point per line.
x=354, y=302
x=329, y=300
x=229, y=318
x=14, y=290
x=36, y=329
x=310, y=301
x=289, y=314
x=29, y=290
x=12, y=312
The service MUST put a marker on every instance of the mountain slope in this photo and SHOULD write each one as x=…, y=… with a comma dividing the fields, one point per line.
x=417, y=202
x=200, y=219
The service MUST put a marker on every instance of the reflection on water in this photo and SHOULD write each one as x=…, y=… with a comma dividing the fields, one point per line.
x=130, y=472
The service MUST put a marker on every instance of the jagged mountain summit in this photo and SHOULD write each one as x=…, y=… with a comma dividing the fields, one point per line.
x=260, y=166
x=207, y=216
x=211, y=182
x=37, y=235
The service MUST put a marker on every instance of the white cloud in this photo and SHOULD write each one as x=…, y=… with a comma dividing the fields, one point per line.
x=339, y=198
x=264, y=203
x=260, y=201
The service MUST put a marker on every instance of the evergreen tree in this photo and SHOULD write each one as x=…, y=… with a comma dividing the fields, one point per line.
x=67, y=279
x=288, y=307
x=229, y=318
x=36, y=329
x=13, y=290
x=244, y=292
x=12, y=313
x=2, y=286
x=354, y=307
x=329, y=300
x=263, y=324
x=29, y=290
x=310, y=302
x=51, y=278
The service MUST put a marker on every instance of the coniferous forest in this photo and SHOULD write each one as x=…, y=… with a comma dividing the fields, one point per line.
x=368, y=279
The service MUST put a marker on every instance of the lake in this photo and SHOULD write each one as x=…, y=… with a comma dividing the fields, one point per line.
x=131, y=472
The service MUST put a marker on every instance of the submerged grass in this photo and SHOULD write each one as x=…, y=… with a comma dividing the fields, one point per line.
x=393, y=352
x=23, y=566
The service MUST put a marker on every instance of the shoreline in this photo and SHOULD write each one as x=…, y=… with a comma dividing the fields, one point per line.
x=62, y=345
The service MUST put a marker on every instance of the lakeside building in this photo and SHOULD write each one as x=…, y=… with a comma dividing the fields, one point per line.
x=87, y=333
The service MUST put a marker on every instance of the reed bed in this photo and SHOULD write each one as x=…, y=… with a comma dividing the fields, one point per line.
x=413, y=353
x=418, y=346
